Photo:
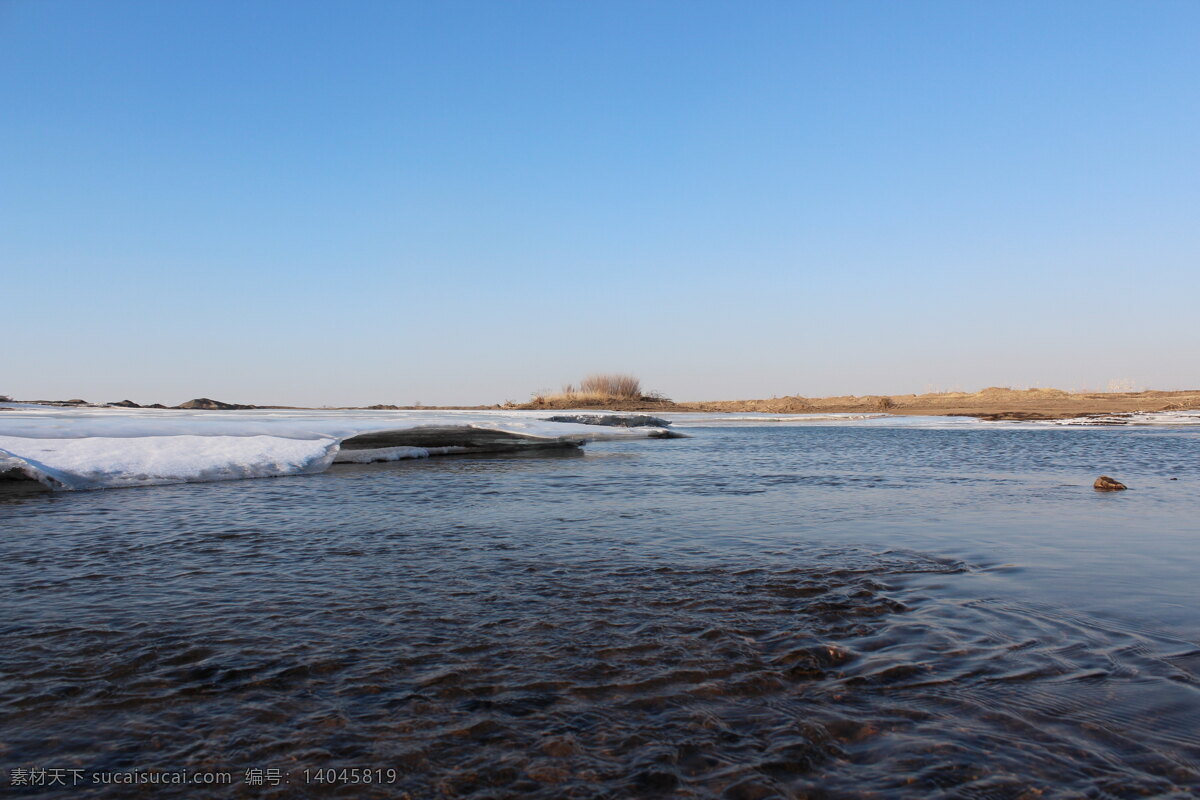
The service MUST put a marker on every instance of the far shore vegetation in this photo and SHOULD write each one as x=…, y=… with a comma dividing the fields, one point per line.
x=625, y=392
x=599, y=387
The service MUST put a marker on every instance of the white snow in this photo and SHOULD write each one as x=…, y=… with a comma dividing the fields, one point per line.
x=89, y=448
x=393, y=454
x=104, y=462
x=45, y=422
x=698, y=420
x=694, y=420
x=1137, y=418
x=85, y=448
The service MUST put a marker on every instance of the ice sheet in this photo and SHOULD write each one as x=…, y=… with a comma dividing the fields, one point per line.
x=89, y=448
x=1137, y=418
x=53, y=422
x=105, y=462
x=693, y=420
x=84, y=448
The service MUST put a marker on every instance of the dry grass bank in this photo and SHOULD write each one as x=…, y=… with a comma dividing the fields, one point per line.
x=991, y=403
x=618, y=392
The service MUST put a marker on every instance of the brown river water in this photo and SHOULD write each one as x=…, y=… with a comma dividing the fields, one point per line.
x=757, y=612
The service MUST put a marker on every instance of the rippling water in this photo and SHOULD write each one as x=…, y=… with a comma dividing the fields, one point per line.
x=750, y=613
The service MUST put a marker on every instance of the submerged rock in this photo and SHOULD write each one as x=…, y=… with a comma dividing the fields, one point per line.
x=8, y=473
x=16, y=477
x=612, y=420
x=1107, y=484
x=465, y=437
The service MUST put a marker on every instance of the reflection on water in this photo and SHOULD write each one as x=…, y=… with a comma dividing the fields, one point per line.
x=750, y=613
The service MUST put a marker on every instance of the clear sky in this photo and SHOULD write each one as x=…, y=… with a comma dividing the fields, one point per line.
x=354, y=202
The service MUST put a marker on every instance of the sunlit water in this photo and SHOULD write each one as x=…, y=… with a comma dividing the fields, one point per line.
x=750, y=613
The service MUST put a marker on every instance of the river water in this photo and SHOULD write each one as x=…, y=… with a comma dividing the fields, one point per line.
x=790, y=611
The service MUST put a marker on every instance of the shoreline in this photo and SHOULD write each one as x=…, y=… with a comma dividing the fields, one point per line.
x=990, y=404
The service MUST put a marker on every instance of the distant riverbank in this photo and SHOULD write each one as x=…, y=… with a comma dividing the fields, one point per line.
x=993, y=403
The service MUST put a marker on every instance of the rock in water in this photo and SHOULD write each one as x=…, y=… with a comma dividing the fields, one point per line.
x=1107, y=484
x=211, y=405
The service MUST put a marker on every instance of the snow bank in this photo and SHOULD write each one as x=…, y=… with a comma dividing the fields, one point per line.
x=695, y=420
x=88, y=448
x=72, y=448
x=1136, y=418
x=708, y=420
x=105, y=462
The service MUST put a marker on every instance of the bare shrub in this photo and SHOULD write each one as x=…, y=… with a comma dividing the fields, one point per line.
x=622, y=387
x=884, y=404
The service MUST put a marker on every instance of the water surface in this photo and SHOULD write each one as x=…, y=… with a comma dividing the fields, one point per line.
x=833, y=611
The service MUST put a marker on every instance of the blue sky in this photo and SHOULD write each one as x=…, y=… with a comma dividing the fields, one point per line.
x=336, y=203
